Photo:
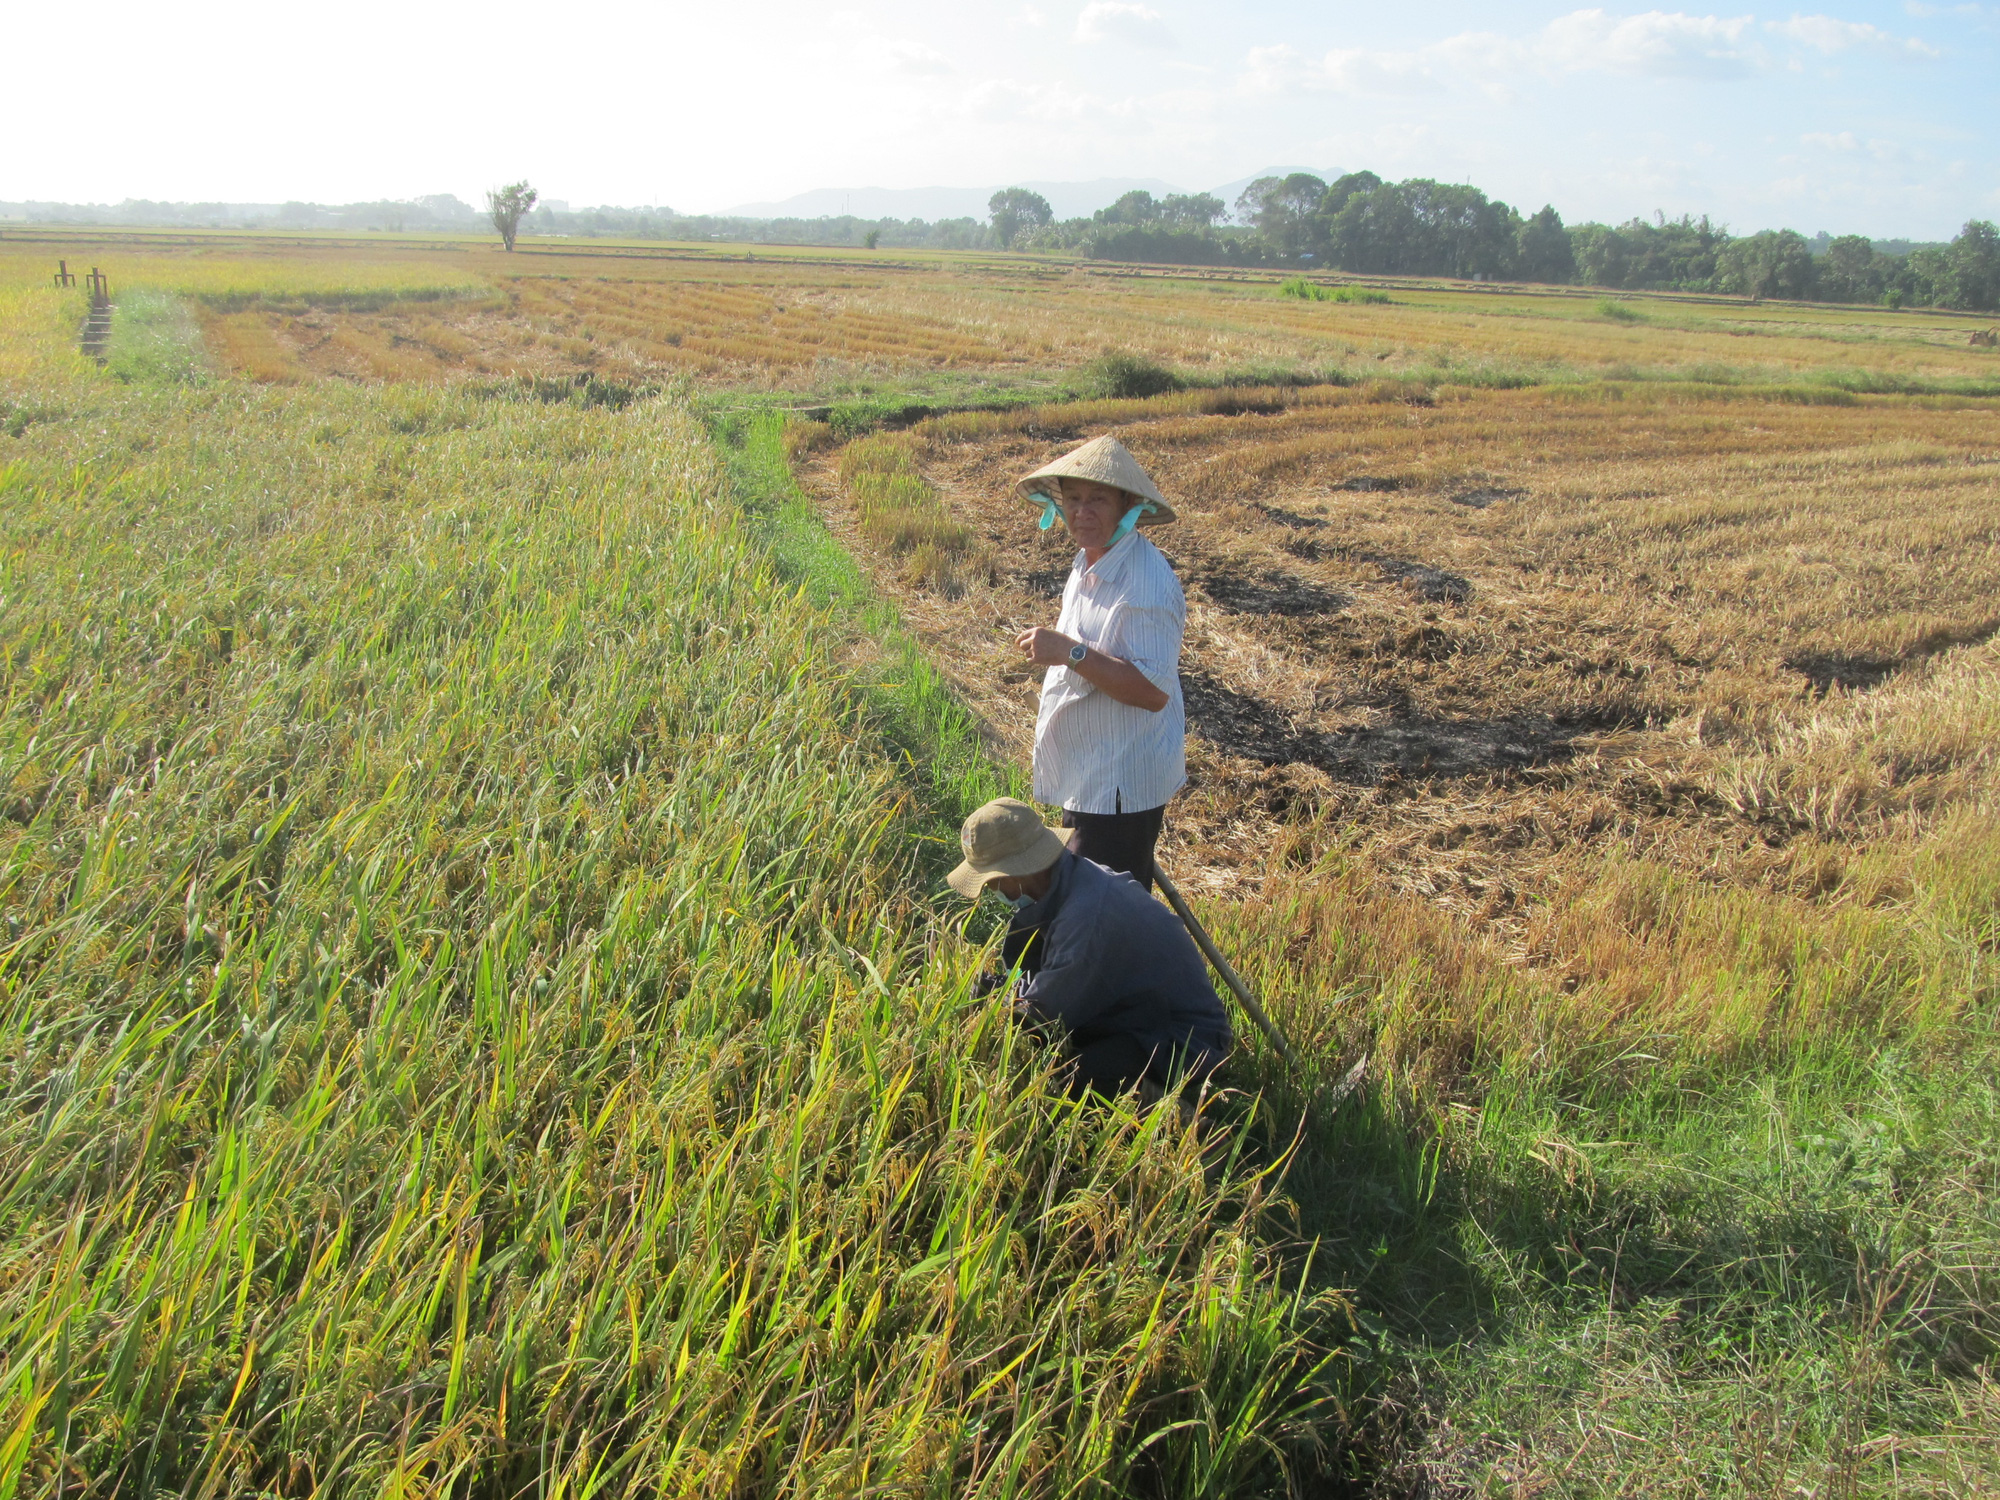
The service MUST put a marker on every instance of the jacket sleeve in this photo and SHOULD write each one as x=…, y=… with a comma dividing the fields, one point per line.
x=1070, y=986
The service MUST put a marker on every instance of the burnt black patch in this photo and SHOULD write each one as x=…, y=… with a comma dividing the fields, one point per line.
x=1480, y=499
x=1246, y=726
x=1045, y=583
x=1859, y=671
x=1432, y=585
x=1370, y=484
x=1056, y=431
x=1272, y=593
x=1291, y=518
x=1826, y=670
x=1413, y=747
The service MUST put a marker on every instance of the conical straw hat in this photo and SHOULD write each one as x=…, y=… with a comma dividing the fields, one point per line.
x=1107, y=461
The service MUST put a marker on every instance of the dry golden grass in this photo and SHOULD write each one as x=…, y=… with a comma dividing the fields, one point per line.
x=1633, y=695
x=247, y=344
x=758, y=321
x=737, y=315
x=642, y=329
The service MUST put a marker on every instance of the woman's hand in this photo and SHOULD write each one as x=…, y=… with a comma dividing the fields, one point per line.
x=1108, y=674
x=1044, y=647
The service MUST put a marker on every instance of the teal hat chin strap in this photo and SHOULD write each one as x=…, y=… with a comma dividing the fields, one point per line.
x=1144, y=507
x=1051, y=509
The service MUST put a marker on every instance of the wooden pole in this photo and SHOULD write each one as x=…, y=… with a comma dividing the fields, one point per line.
x=1229, y=976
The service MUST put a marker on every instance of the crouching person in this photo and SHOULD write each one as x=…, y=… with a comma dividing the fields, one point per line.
x=1104, y=967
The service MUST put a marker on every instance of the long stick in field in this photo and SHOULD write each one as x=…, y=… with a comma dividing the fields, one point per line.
x=1229, y=976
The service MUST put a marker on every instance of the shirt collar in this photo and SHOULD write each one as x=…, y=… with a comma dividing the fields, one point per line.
x=1116, y=562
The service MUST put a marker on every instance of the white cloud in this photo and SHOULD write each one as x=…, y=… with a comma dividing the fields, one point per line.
x=1122, y=21
x=1825, y=34
x=900, y=55
x=1030, y=17
x=1666, y=44
x=1281, y=69
x=1355, y=72
x=1657, y=44
x=1653, y=44
x=1884, y=153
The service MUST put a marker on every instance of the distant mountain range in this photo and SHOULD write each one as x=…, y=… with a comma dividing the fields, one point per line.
x=1069, y=200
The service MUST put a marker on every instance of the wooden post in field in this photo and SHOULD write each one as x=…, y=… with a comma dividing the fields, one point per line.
x=100, y=288
x=64, y=277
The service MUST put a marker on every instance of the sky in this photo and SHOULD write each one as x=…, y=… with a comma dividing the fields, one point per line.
x=1879, y=119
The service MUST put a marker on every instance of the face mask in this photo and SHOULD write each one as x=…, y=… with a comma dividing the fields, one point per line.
x=1019, y=903
x=1050, y=510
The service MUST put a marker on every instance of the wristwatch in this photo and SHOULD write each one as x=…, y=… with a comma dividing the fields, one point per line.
x=1077, y=653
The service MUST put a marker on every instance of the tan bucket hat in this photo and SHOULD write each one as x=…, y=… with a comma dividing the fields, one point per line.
x=1005, y=837
x=1107, y=461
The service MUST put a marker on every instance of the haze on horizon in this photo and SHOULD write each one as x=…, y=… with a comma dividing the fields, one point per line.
x=1873, y=118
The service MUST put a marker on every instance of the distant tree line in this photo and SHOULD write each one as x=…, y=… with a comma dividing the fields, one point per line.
x=1360, y=223
x=1181, y=228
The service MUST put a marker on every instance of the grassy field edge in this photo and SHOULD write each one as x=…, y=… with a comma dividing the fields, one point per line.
x=933, y=738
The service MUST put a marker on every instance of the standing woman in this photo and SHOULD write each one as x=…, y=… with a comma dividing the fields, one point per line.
x=1110, y=738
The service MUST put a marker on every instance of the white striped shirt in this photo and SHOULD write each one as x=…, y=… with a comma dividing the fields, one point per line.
x=1094, y=754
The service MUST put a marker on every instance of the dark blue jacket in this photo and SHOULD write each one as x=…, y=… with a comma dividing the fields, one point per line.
x=1103, y=958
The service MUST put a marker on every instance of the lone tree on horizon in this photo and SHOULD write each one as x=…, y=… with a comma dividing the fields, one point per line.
x=507, y=206
x=1016, y=209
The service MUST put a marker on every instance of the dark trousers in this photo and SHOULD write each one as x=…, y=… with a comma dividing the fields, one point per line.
x=1121, y=841
x=1114, y=1064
